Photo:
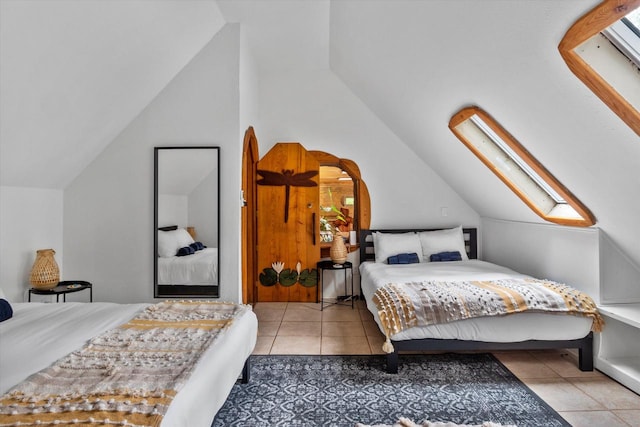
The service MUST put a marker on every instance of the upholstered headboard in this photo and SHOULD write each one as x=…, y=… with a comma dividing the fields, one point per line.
x=367, y=250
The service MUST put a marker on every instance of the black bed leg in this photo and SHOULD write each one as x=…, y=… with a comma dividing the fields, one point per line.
x=585, y=354
x=392, y=362
x=246, y=371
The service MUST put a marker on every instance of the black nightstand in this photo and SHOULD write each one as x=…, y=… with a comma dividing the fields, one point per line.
x=64, y=288
x=330, y=265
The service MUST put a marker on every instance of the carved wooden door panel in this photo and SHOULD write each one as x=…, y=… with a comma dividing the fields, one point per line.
x=288, y=244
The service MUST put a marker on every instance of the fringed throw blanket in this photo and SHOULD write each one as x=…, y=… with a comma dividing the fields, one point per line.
x=402, y=306
x=126, y=376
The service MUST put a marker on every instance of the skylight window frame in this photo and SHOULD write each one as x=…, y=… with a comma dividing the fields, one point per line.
x=579, y=215
x=592, y=23
x=626, y=37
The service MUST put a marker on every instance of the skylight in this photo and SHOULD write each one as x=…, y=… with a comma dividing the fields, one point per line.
x=611, y=70
x=625, y=35
x=518, y=169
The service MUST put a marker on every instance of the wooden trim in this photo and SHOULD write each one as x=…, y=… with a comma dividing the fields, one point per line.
x=599, y=18
x=466, y=113
x=363, y=213
x=248, y=217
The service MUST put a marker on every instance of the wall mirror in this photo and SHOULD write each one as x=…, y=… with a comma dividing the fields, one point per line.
x=186, y=221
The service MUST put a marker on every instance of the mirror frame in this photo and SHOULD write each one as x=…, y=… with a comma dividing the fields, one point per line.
x=182, y=291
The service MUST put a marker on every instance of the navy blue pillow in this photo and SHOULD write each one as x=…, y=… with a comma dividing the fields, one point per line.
x=411, y=258
x=197, y=246
x=187, y=250
x=446, y=256
x=6, y=312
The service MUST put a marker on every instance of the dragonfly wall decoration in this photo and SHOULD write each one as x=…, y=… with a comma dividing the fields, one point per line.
x=287, y=179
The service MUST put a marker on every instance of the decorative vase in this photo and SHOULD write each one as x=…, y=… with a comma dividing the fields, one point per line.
x=338, y=251
x=45, y=273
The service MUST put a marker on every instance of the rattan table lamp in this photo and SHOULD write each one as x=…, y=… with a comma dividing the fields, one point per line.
x=44, y=273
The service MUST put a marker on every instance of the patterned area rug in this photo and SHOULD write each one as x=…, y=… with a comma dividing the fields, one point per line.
x=345, y=390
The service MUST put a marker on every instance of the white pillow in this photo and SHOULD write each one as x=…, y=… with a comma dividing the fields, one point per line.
x=448, y=240
x=390, y=244
x=170, y=241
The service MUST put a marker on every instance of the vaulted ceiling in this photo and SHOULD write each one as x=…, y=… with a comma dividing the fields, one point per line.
x=74, y=74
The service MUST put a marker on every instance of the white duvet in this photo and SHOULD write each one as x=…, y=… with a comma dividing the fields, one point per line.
x=200, y=268
x=511, y=328
x=40, y=333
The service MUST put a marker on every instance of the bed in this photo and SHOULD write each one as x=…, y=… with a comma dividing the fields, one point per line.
x=522, y=331
x=197, y=269
x=39, y=334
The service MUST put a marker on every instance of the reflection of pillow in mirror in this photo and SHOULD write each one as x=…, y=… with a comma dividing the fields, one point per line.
x=170, y=241
x=184, y=238
x=2, y=295
x=390, y=244
x=449, y=240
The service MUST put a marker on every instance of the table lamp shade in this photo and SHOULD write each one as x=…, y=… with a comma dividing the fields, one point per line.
x=44, y=273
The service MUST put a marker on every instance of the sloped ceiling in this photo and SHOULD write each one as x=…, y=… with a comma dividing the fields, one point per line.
x=415, y=63
x=74, y=73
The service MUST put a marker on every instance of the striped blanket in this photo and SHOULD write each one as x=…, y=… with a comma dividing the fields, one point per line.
x=402, y=306
x=125, y=376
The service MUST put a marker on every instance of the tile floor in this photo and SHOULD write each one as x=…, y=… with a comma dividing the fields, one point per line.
x=583, y=398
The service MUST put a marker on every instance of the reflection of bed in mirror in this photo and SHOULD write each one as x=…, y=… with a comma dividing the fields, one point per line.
x=184, y=261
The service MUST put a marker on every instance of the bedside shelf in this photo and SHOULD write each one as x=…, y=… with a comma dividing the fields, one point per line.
x=618, y=352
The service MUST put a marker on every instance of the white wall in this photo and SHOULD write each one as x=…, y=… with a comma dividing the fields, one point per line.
x=172, y=210
x=316, y=109
x=564, y=254
x=202, y=210
x=619, y=274
x=30, y=219
x=108, y=222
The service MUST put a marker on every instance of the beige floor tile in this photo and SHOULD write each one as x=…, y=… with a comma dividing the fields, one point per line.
x=562, y=395
x=338, y=313
x=268, y=313
x=375, y=343
x=300, y=329
x=366, y=316
x=296, y=345
x=268, y=329
x=263, y=345
x=592, y=419
x=524, y=365
x=371, y=329
x=361, y=304
x=270, y=305
x=609, y=393
x=302, y=313
x=345, y=345
x=563, y=363
x=342, y=329
x=631, y=417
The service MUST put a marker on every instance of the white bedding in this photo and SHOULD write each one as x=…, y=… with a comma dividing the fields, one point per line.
x=511, y=328
x=40, y=333
x=200, y=268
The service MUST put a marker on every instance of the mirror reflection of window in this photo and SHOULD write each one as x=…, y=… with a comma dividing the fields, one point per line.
x=337, y=199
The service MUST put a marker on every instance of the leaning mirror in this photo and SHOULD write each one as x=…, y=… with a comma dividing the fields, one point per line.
x=186, y=222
